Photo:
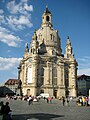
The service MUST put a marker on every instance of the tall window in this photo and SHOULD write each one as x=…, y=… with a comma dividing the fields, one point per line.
x=66, y=79
x=51, y=36
x=66, y=75
x=54, y=75
x=40, y=76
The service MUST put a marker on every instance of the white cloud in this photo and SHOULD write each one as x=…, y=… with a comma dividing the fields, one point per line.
x=84, y=71
x=19, y=23
x=9, y=51
x=1, y=11
x=9, y=63
x=28, y=8
x=12, y=7
x=2, y=20
x=18, y=8
x=20, y=16
x=24, y=0
x=84, y=65
x=84, y=62
x=8, y=38
x=3, y=29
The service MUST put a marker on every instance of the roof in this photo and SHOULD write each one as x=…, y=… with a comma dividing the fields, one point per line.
x=86, y=77
x=11, y=82
x=47, y=11
x=5, y=90
x=83, y=76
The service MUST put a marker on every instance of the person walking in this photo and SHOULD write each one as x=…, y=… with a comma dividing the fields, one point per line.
x=83, y=101
x=67, y=101
x=30, y=100
x=63, y=101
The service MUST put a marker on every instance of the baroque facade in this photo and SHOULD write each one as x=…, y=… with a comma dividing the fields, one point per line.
x=44, y=68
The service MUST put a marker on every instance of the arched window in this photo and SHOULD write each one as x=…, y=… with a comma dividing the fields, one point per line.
x=31, y=50
x=47, y=18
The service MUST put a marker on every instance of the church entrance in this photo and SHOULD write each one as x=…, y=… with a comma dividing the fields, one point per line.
x=42, y=91
x=55, y=93
x=28, y=92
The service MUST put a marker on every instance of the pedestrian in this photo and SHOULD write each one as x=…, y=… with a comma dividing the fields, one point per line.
x=7, y=112
x=30, y=100
x=67, y=101
x=83, y=101
x=47, y=100
x=80, y=101
x=44, y=98
x=2, y=108
x=51, y=98
x=86, y=101
x=63, y=100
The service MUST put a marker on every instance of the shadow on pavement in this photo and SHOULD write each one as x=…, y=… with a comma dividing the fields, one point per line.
x=37, y=116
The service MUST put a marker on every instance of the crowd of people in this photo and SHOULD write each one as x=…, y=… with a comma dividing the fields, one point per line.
x=83, y=101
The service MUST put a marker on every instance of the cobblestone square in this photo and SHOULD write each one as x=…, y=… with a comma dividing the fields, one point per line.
x=45, y=111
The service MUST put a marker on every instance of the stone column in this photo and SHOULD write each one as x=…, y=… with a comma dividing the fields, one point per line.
x=58, y=75
x=50, y=73
x=34, y=75
x=48, y=79
x=62, y=75
x=19, y=69
x=22, y=74
x=47, y=74
x=62, y=84
x=21, y=77
x=72, y=80
x=25, y=74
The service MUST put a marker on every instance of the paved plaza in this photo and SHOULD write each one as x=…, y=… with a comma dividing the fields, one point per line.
x=45, y=111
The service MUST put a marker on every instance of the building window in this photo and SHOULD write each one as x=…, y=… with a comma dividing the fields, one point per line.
x=51, y=36
x=47, y=18
x=40, y=77
x=41, y=72
x=54, y=74
x=66, y=79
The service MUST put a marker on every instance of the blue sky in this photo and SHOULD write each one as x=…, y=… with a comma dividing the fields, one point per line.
x=19, y=18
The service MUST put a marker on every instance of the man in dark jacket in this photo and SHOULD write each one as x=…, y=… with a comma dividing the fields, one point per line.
x=7, y=112
x=2, y=108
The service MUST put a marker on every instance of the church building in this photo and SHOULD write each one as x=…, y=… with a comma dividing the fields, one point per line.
x=43, y=68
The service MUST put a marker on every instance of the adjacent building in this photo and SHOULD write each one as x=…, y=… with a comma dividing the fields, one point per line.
x=44, y=69
x=12, y=84
x=83, y=85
